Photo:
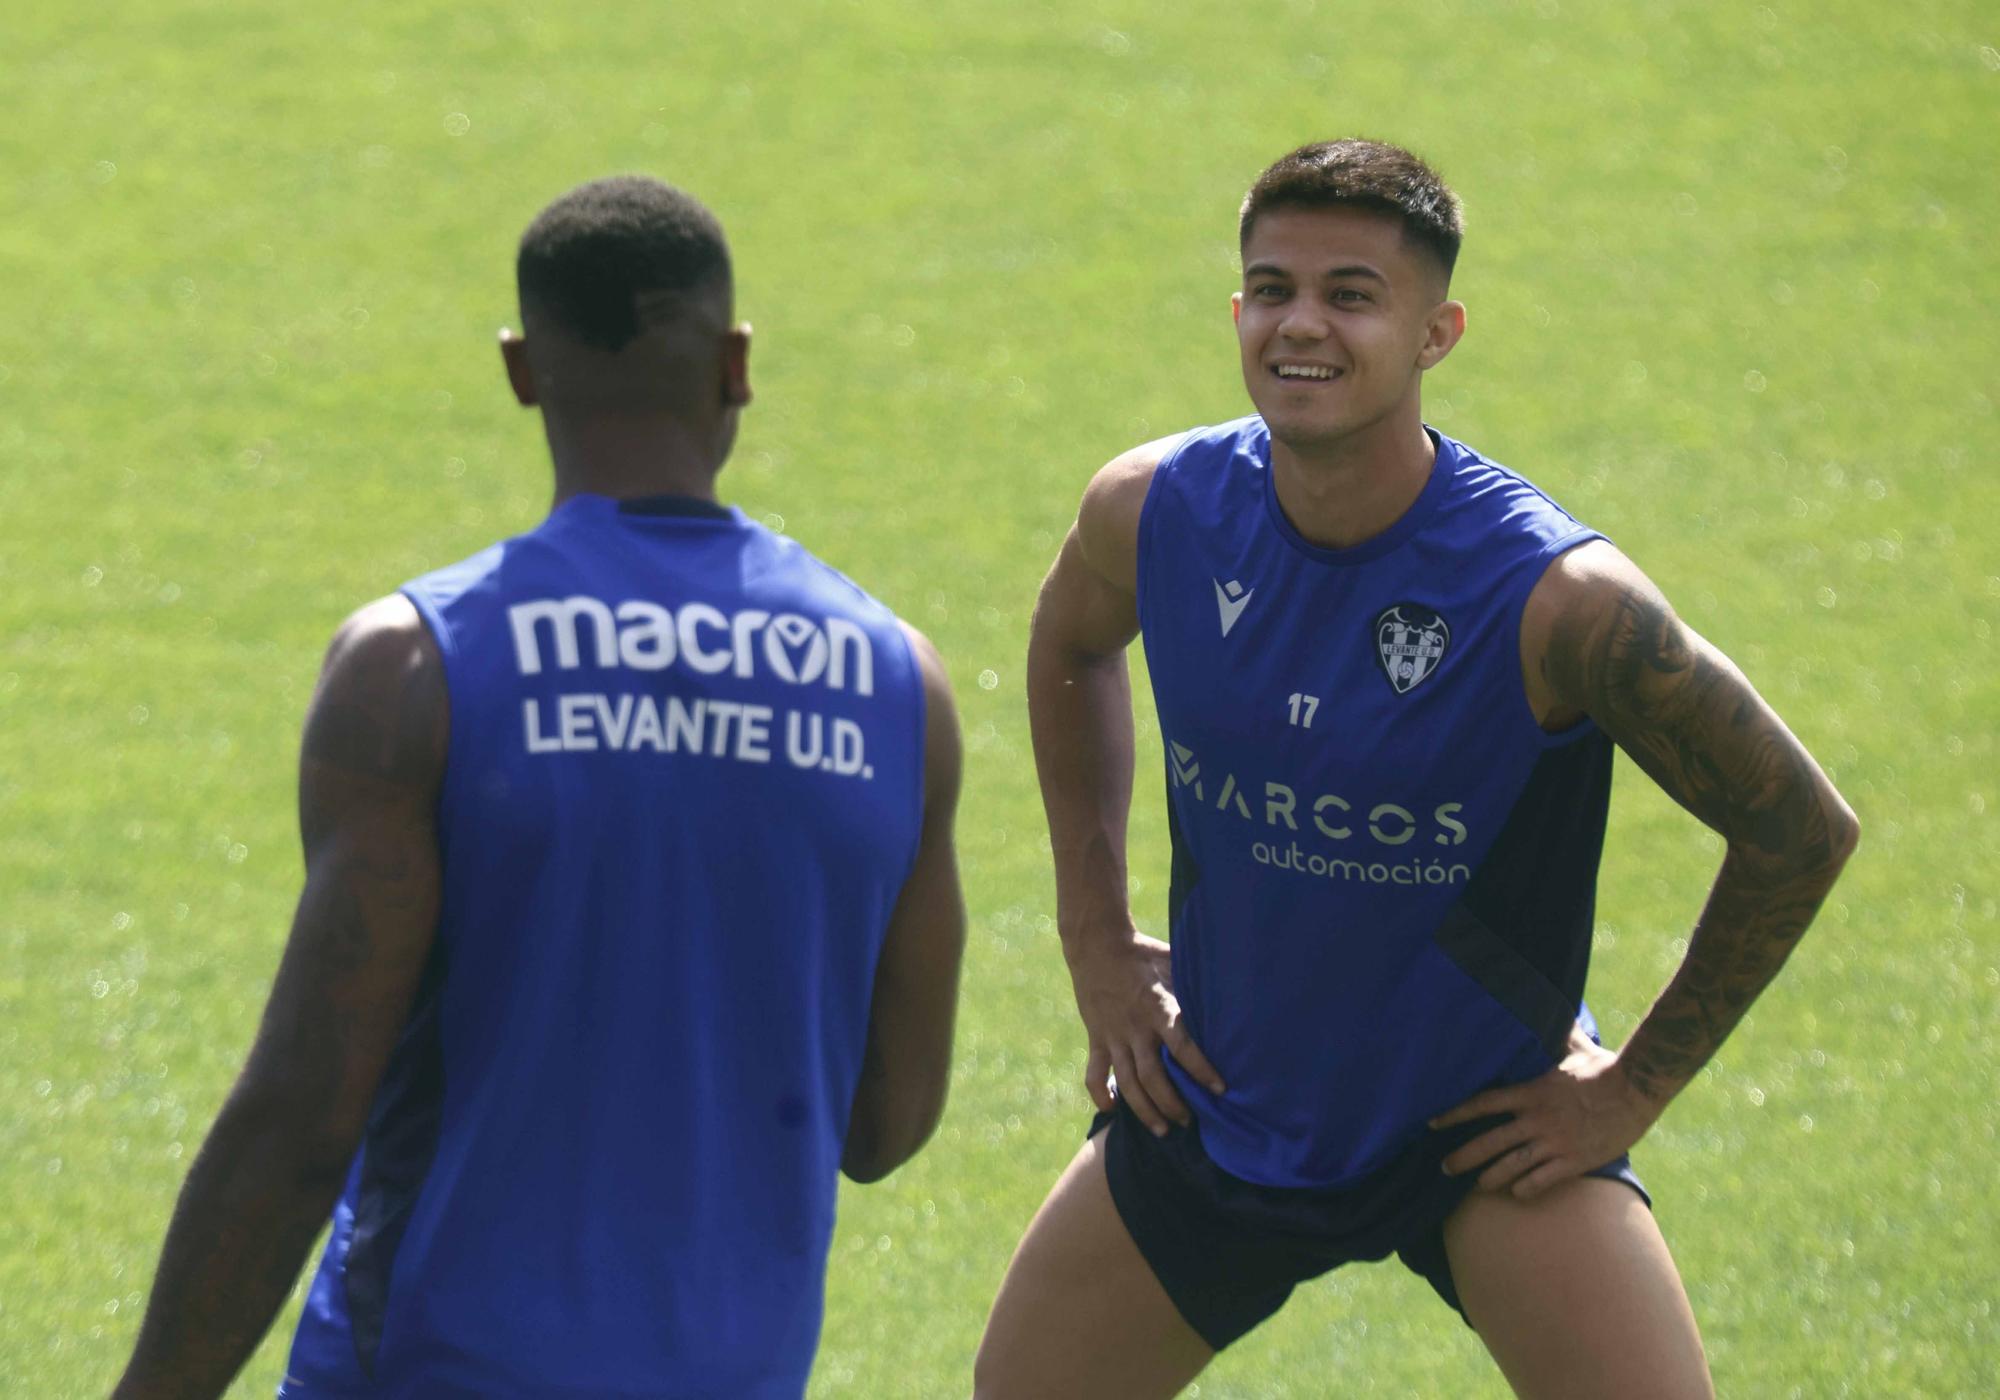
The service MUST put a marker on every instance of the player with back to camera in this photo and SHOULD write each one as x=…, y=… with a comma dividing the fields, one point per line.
x=1389, y=675
x=631, y=914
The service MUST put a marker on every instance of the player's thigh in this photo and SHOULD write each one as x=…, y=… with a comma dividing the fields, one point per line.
x=1575, y=1294
x=1080, y=1312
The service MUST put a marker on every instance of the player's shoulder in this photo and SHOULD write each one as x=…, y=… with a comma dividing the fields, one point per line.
x=829, y=589
x=929, y=663
x=1108, y=518
x=1120, y=485
x=388, y=633
x=440, y=588
x=1580, y=591
x=1131, y=472
x=1592, y=579
x=381, y=706
x=1505, y=495
x=818, y=587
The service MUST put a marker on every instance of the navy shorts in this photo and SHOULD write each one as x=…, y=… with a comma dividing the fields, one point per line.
x=1229, y=1252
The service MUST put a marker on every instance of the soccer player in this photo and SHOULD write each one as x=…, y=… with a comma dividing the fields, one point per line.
x=631, y=915
x=1389, y=674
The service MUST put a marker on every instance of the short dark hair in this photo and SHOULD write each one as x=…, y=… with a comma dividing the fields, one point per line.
x=1359, y=174
x=588, y=259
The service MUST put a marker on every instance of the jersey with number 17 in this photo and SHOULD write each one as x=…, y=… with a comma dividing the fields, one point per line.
x=1384, y=870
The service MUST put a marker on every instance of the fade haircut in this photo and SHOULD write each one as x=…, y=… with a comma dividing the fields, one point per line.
x=590, y=261
x=1358, y=174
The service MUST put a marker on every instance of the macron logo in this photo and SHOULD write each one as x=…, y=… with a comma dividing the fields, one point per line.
x=1187, y=769
x=1230, y=600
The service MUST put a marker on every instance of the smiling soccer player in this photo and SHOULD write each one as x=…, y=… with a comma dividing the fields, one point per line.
x=1389, y=675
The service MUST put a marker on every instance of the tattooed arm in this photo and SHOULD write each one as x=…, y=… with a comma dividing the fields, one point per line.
x=266, y=1178
x=1600, y=640
x=1688, y=717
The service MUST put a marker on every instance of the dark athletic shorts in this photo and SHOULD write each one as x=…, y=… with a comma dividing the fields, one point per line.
x=1229, y=1252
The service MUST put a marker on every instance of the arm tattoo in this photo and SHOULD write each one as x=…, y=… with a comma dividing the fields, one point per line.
x=1691, y=721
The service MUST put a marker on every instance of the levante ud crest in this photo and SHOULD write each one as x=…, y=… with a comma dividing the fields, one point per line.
x=1410, y=640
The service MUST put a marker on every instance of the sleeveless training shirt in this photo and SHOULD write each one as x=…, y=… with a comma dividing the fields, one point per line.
x=1383, y=869
x=683, y=791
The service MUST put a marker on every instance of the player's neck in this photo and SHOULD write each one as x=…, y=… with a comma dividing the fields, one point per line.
x=630, y=457
x=1342, y=494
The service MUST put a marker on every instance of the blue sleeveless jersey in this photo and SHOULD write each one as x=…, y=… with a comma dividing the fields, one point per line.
x=1383, y=868
x=683, y=791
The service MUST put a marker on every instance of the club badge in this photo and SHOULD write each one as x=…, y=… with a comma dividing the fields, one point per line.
x=1410, y=641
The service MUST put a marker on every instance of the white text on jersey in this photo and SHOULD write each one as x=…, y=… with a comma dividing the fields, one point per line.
x=644, y=636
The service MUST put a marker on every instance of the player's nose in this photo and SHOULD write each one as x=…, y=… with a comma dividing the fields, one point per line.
x=1304, y=322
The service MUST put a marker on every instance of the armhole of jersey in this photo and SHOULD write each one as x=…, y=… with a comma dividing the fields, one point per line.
x=1547, y=556
x=1141, y=548
x=440, y=631
x=922, y=704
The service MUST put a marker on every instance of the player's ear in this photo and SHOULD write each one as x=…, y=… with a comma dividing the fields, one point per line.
x=736, y=366
x=1236, y=307
x=514, y=354
x=1447, y=325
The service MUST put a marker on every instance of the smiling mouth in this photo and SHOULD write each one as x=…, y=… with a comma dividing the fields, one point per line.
x=1306, y=374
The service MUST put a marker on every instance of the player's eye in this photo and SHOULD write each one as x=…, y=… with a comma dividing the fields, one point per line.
x=1267, y=291
x=1350, y=296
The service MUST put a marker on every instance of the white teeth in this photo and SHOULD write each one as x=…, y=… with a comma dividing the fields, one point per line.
x=1304, y=372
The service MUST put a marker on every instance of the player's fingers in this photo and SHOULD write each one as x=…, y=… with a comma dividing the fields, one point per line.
x=1508, y=1168
x=1481, y=1105
x=1549, y=1173
x=1160, y=1088
x=1487, y=1146
x=1134, y=1091
x=1189, y=1057
x=1096, y=1077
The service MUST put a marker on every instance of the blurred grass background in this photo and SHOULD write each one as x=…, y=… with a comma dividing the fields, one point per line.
x=1732, y=297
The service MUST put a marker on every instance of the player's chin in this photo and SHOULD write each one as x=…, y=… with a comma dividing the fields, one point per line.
x=1303, y=427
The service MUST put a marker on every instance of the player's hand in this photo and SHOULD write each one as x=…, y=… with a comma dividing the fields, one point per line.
x=1581, y=1114
x=1125, y=994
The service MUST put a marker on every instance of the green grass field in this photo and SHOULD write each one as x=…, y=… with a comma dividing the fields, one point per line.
x=1732, y=293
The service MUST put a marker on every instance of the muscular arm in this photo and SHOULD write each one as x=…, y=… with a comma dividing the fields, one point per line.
x=1599, y=639
x=1615, y=650
x=906, y=1067
x=1080, y=711
x=264, y=1181
x=1080, y=698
